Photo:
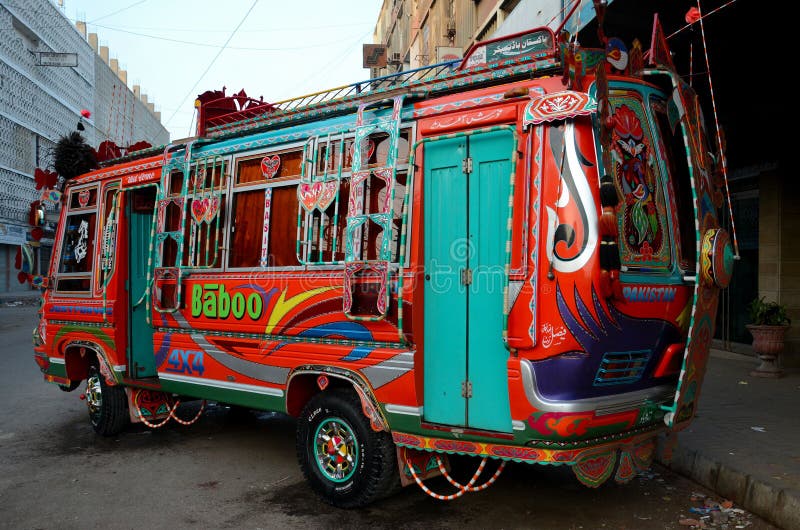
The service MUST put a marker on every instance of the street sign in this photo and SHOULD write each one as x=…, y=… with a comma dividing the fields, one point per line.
x=56, y=59
x=374, y=55
x=448, y=53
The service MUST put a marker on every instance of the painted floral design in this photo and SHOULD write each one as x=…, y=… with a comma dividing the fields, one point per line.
x=641, y=224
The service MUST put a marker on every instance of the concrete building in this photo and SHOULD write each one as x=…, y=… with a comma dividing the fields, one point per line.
x=423, y=32
x=764, y=200
x=39, y=104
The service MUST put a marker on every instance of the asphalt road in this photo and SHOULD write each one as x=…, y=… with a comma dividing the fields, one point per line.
x=237, y=469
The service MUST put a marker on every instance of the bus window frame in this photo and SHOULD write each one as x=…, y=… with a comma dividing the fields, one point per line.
x=407, y=132
x=68, y=212
x=313, y=143
x=224, y=192
x=234, y=188
x=102, y=280
x=670, y=272
x=682, y=264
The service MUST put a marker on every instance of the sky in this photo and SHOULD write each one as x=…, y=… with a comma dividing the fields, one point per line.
x=278, y=49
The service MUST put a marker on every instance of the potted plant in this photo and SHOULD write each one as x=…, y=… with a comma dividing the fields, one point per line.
x=768, y=327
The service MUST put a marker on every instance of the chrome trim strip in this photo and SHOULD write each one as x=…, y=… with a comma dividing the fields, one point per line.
x=57, y=360
x=404, y=409
x=518, y=425
x=260, y=371
x=277, y=392
x=390, y=369
x=601, y=405
x=120, y=368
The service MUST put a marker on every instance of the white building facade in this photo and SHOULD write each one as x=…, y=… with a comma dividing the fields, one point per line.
x=39, y=104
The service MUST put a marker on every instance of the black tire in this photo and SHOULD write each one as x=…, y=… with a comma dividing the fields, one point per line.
x=359, y=466
x=108, y=405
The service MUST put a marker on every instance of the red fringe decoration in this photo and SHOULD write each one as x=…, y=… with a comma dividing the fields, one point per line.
x=608, y=222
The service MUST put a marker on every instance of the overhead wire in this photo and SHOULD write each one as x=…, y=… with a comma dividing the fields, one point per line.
x=230, y=37
x=723, y=159
x=118, y=11
x=206, y=45
x=699, y=19
x=258, y=30
x=318, y=73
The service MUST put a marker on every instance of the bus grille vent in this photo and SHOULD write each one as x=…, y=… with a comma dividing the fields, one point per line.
x=618, y=368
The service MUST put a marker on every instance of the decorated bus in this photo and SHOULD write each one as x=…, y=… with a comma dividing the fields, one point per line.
x=515, y=256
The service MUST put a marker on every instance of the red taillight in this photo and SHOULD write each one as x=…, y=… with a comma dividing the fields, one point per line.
x=671, y=360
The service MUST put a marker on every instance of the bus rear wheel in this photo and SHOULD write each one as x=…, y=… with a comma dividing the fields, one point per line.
x=108, y=405
x=346, y=463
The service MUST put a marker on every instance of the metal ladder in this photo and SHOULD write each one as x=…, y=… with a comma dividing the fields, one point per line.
x=358, y=270
x=203, y=196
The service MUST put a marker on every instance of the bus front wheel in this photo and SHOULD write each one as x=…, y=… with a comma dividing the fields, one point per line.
x=346, y=463
x=108, y=405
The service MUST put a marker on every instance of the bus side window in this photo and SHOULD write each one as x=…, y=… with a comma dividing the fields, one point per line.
x=678, y=177
x=324, y=233
x=77, y=255
x=108, y=236
x=376, y=202
x=264, y=210
x=205, y=211
x=282, y=250
x=78, y=244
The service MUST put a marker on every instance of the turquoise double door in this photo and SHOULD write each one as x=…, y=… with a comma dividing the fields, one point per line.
x=466, y=212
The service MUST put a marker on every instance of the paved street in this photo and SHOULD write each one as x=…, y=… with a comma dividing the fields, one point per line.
x=237, y=469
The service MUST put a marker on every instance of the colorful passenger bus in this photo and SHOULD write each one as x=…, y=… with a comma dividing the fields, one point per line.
x=516, y=257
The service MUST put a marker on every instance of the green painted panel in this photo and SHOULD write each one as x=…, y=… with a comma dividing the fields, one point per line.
x=446, y=253
x=142, y=359
x=241, y=398
x=489, y=189
x=57, y=370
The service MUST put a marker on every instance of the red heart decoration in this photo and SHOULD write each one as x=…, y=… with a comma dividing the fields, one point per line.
x=83, y=198
x=199, y=210
x=212, y=207
x=327, y=195
x=270, y=165
x=309, y=194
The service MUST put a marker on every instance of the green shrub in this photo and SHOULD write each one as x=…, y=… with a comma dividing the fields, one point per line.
x=768, y=313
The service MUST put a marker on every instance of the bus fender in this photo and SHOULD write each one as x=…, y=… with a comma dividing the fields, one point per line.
x=305, y=382
x=78, y=359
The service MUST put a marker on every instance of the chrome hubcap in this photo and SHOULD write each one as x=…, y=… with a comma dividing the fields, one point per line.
x=336, y=450
x=94, y=395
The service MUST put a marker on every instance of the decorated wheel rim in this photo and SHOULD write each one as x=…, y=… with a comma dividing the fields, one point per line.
x=94, y=397
x=336, y=450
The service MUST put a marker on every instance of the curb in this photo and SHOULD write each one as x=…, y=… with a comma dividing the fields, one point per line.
x=779, y=506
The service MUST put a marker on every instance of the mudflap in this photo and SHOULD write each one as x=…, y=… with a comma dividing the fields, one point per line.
x=424, y=463
x=148, y=405
x=633, y=459
x=623, y=462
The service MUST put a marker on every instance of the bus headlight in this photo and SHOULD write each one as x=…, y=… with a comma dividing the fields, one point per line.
x=37, y=338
